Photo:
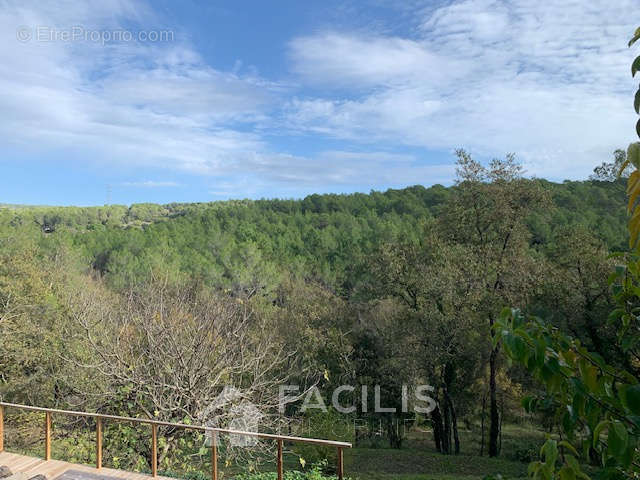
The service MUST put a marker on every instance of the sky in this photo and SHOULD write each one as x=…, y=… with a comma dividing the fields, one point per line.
x=123, y=101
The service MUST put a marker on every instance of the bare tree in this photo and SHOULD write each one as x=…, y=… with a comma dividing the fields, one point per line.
x=182, y=353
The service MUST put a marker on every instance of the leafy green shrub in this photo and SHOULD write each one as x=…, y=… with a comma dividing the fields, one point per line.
x=330, y=425
x=315, y=473
x=524, y=454
x=194, y=475
x=291, y=475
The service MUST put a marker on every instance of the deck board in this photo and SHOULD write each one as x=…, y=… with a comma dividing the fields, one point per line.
x=52, y=469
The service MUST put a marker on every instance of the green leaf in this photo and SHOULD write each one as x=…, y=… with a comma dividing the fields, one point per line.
x=550, y=452
x=636, y=36
x=618, y=440
x=573, y=463
x=597, y=359
x=597, y=431
x=519, y=348
x=628, y=342
x=567, y=424
x=627, y=457
x=635, y=66
x=567, y=473
x=577, y=404
x=633, y=156
x=630, y=397
x=569, y=447
x=636, y=102
x=589, y=375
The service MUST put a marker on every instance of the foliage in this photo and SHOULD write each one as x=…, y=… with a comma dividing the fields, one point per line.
x=576, y=295
x=314, y=473
x=324, y=237
x=383, y=288
x=596, y=404
x=633, y=158
x=586, y=395
x=486, y=217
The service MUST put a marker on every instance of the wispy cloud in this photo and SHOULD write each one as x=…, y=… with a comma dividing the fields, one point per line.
x=150, y=184
x=546, y=79
x=156, y=103
x=366, y=60
x=330, y=171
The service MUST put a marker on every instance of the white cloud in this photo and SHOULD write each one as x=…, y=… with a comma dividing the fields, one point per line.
x=160, y=105
x=332, y=171
x=337, y=167
x=549, y=80
x=150, y=184
x=345, y=59
x=134, y=103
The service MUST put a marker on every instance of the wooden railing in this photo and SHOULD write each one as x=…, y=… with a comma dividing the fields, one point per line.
x=99, y=418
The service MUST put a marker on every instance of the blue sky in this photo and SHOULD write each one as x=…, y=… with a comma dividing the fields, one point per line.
x=198, y=100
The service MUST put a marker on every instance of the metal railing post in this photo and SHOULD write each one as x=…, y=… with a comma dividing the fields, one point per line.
x=214, y=459
x=1, y=428
x=98, y=443
x=47, y=436
x=154, y=450
x=280, y=476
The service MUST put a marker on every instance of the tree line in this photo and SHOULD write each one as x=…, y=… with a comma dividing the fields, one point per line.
x=156, y=309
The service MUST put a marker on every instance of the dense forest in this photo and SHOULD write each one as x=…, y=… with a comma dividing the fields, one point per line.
x=155, y=309
x=323, y=238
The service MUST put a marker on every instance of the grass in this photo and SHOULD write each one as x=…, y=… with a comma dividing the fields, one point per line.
x=418, y=460
x=418, y=464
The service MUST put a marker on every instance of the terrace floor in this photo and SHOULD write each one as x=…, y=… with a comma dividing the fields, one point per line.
x=53, y=469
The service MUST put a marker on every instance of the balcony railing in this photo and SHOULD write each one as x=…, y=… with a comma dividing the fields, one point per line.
x=101, y=418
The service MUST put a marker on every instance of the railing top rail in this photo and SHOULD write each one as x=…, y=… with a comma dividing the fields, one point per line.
x=202, y=428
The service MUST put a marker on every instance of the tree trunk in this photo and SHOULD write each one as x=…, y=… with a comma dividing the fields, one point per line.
x=484, y=407
x=395, y=440
x=436, y=422
x=451, y=418
x=501, y=419
x=446, y=438
x=454, y=425
x=494, y=426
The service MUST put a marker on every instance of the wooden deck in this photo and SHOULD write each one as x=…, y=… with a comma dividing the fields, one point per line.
x=30, y=467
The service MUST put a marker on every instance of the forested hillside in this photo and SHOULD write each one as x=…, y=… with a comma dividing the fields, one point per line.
x=100, y=306
x=322, y=237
